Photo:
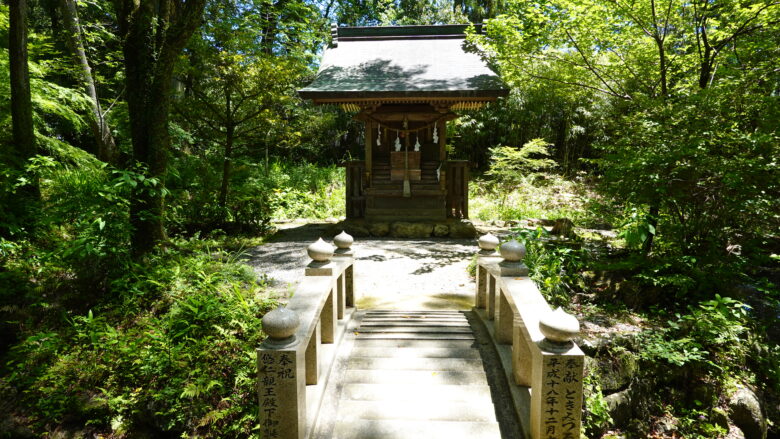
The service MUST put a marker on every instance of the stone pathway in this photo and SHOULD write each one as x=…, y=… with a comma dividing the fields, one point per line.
x=411, y=274
x=412, y=374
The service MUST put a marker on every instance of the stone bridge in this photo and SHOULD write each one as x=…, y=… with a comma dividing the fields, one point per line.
x=505, y=369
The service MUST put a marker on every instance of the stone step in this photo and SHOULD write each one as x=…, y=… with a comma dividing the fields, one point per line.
x=412, y=343
x=403, y=317
x=402, y=212
x=413, y=336
x=411, y=352
x=370, y=429
x=415, y=329
x=443, y=364
x=442, y=410
x=477, y=394
x=414, y=377
x=416, y=322
x=398, y=191
x=374, y=312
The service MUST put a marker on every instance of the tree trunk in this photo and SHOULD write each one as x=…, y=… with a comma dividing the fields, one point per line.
x=271, y=26
x=21, y=100
x=652, y=219
x=705, y=67
x=154, y=34
x=106, y=148
x=226, y=163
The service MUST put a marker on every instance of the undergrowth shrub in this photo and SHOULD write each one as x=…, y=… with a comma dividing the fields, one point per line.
x=556, y=269
x=307, y=191
x=172, y=354
x=529, y=196
x=255, y=197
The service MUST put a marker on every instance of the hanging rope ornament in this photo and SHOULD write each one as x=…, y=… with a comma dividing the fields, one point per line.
x=379, y=136
x=417, y=144
x=435, y=134
x=397, y=142
x=405, y=126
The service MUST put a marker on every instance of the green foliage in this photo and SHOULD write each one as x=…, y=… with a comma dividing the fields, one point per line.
x=508, y=163
x=636, y=229
x=698, y=424
x=596, y=417
x=510, y=166
x=173, y=354
x=283, y=191
x=712, y=185
x=548, y=196
x=555, y=268
x=710, y=335
x=535, y=110
x=307, y=191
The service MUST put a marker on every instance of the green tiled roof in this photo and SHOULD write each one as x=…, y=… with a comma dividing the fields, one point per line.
x=402, y=61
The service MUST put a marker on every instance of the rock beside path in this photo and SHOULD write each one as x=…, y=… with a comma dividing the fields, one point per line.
x=745, y=411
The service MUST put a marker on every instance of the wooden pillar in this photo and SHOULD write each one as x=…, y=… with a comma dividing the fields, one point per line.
x=442, y=139
x=442, y=131
x=369, y=143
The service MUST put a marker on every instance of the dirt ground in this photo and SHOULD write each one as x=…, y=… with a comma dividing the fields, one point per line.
x=408, y=274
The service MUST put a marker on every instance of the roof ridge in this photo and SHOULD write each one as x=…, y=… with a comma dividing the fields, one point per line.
x=405, y=31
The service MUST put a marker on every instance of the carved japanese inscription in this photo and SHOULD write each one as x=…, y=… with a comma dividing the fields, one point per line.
x=561, y=397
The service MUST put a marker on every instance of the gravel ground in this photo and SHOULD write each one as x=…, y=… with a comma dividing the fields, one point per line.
x=408, y=274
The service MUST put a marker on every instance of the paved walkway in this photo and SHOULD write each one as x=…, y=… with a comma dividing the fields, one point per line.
x=423, y=372
x=412, y=375
x=408, y=274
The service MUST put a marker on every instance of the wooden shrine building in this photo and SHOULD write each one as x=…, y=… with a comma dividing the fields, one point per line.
x=405, y=83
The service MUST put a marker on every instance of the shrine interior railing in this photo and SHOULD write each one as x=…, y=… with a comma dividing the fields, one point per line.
x=543, y=366
x=296, y=360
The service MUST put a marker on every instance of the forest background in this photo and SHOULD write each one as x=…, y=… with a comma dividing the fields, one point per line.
x=144, y=144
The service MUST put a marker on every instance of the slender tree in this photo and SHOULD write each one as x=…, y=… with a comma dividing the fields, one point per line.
x=21, y=101
x=106, y=147
x=154, y=33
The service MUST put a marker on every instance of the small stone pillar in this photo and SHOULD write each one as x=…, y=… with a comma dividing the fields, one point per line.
x=281, y=378
x=345, y=283
x=486, y=255
x=512, y=265
x=556, y=392
x=321, y=253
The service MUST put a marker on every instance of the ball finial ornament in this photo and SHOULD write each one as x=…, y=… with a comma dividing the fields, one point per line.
x=488, y=242
x=559, y=327
x=343, y=240
x=281, y=324
x=320, y=251
x=512, y=251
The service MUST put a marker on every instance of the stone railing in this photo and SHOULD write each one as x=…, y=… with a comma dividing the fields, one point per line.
x=295, y=361
x=543, y=367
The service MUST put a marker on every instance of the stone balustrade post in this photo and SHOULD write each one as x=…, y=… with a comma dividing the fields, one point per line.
x=321, y=265
x=512, y=266
x=345, y=282
x=556, y=391
x=281, y=378
x=486, y=255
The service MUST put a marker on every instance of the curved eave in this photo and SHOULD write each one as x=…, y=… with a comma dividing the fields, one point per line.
x=320, y=97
